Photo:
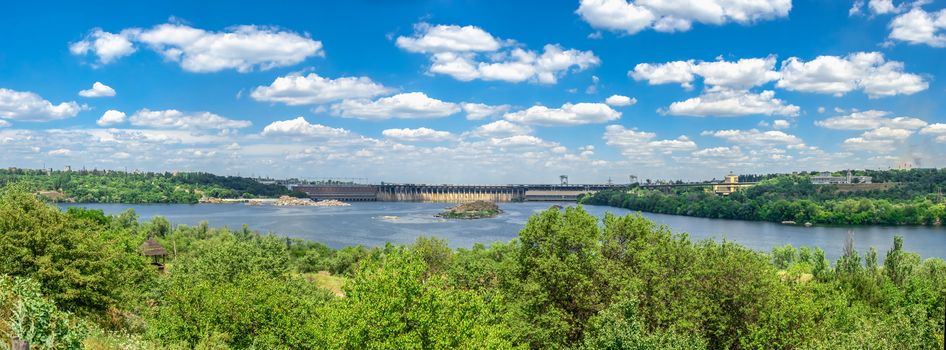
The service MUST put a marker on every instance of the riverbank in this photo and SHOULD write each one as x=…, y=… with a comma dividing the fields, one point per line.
x=281, y=201
x=108, y=186
x=374, y=224
x=788, y=199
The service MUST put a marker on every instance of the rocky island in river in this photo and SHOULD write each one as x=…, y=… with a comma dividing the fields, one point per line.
x=472, y=210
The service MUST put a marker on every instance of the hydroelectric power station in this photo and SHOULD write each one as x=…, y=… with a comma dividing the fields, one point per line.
x=388, y=192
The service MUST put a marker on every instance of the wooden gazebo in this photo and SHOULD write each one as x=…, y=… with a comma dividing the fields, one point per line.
x=156, y=251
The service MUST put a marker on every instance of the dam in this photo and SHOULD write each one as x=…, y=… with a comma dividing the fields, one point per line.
x=449, y=193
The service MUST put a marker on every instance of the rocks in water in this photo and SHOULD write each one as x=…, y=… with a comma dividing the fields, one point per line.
x=472, y=210
x=281, y=201
x=330, y=203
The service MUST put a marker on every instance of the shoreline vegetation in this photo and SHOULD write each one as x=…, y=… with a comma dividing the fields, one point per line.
x=898, y=197
x=471, y=210
x=281, y=201
x=105, y=186
x=77, y=279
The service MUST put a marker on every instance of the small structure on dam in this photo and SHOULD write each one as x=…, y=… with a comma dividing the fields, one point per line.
x=449, y=193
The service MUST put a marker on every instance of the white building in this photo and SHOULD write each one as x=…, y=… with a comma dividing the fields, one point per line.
x=825, y=178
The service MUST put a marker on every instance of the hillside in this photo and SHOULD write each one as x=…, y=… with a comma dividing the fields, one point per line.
x=101, y=186
x=912, y=197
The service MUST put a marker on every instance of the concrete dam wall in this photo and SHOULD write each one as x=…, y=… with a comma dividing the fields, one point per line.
x=448, y=193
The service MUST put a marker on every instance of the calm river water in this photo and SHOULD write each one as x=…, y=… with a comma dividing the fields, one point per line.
x=374, y=223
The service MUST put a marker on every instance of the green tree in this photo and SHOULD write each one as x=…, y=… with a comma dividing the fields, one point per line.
x=435, y=253
x=557, y=287
x=77, y=266
x=26, y=314
x=390, y=305
x=896, y=265
x=618, y=328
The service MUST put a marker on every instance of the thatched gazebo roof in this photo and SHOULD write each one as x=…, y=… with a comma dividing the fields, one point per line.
x=152, y=248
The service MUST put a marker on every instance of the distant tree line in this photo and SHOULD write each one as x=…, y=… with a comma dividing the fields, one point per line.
x=914, y=197
x=99, y=186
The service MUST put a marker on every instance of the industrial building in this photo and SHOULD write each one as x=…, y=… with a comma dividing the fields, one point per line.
x=826, y=178
x=730, y=184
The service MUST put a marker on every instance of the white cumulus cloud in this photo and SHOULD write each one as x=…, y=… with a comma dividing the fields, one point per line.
x=28, y=106
x=920, y=27
x=642, y=144
x=296, y=89
x=870, y=119
x=477, y=111
x=469, y=52
x=107, y=47
x=111, y=117
x=867, y=71
x=620, y=100
x=98, y=90
x=880, y=140
x=888, y=133
x=937, y=130
x=419, y=134
x=243, y=48
x=631, y=17
x=755, y=137
x=172, y=118
x=742, y=74
x=301, y=127
x=876, y=7
x=448, y=38
x=501, y=128
x=412, y=105
x=568, y=114
x=728, y=103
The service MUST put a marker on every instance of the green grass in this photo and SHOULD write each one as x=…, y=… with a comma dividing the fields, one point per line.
x=325, y=280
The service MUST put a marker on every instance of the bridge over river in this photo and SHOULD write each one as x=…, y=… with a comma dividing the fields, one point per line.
x=450, y=193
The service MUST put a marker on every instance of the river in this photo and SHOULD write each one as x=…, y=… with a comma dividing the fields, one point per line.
x=375, y=223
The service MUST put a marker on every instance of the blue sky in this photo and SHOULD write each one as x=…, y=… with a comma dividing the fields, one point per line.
x=474, y=91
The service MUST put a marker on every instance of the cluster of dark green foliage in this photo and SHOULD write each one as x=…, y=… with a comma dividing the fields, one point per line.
x=915, y=197
x=101, y=186
x=567, y=282
x=477, y=214
x=472, y=210
x=469, y=214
